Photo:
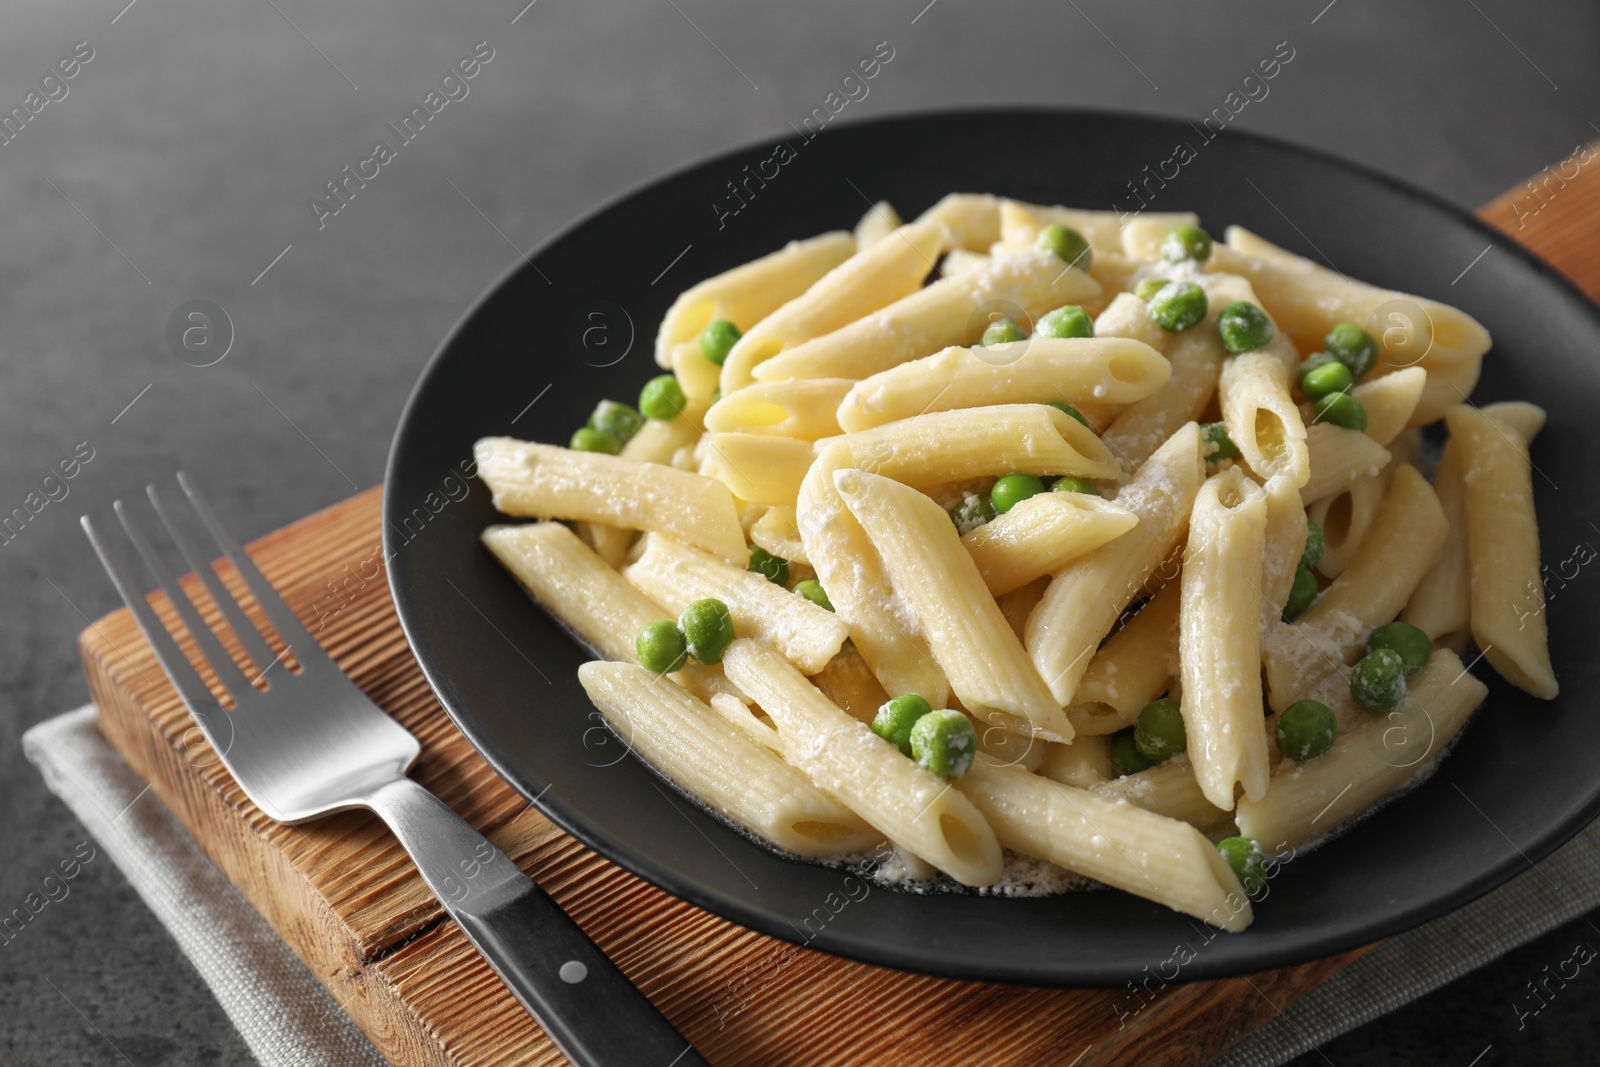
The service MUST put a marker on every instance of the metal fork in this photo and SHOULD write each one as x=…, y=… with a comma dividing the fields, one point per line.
x=311, y=744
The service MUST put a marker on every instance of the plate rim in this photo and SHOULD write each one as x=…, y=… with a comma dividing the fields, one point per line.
x=736, y=911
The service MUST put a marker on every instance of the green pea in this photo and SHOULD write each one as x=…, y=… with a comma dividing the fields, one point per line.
x=707, y=625
x=1341, y=409
x=585, y=439
x=1378, y=682
x=1352, y=346
x=1126, y=754
x=1066, y=243
x=1178, y=306
x=773, y=568
x=1243, y=327
x=1318, y=380
x=896, y=717
x=1306, y=730
x=1412, y=644
x=944, y=742
x=1071, y=483
x=1002, y=332
x=1217, y=445
x=618, y=420
x=1159, y=734
x=1315, y=544
x=661, y=647
x=662, y=398
x=1150, y=287
x=1248, y=862
x=718, y=339
x=972, y=511
x=1065, y=322
x=1301, y=594
x=1186, y=242
x=812, y=590
x=1013, y=489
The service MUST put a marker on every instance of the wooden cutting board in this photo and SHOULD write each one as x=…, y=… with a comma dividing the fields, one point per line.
x=349, y=902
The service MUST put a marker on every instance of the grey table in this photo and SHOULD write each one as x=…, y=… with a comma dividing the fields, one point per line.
x=178, y=166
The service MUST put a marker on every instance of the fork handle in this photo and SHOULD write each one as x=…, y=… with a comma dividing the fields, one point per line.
x=584, y=1003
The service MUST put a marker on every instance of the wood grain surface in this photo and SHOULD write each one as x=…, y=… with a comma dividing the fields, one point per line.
x=347, y=899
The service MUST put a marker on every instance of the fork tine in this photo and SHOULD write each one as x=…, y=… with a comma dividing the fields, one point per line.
x=211, y=649
x=191, y=687
x=284, y=620
x=254, y=645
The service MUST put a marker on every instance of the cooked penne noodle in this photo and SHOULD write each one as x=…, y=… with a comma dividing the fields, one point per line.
x=747, y=294
x=1441, y=605
x=1119, y=844
x=850, y=683
x=1527, y=419
x=970, y=640
x=885, y=632
x=1083, y=763
x=1128, y=316
x=952, y=446
x=1170, y=789
x=1041, y=535
x=847, y=760
x=1085, y=597
x=655, y=442
x=720, y=765
x=777, y=532
x=1285, y=546
x=879, y=222
x=1219, y=644
x=759, y=467
x=951, y=311
x=1333, y=630
x=1135, y=666
x=1376, y=759
x=1036, y=371
x=1390, y=402
x=960, y=261
x=1345, y=518
x=1507, y=602
x=971, y=220
x=675, y=576
x=1018, y=604
x=873, y=278
x=1338, y=457
x=590, y=599
x=1307, y=300
x=1261, y=418
x=546, y=482
x=802, y=407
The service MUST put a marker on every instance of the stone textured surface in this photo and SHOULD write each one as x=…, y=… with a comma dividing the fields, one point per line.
x=193, y=138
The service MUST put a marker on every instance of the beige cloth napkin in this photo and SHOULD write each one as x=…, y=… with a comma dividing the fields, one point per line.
x=288, y=1020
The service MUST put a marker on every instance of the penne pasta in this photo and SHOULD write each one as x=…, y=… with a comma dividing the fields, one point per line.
x=986, y=665
x=1441, y=605
x=1036, y=371
x=1041, y=535
x=674, y=576
x=747, y=294
x=1285, y=546
x=778, y=532
x=844, y=758
x=546, y=482
x=1085, y=597
x=951, y=311
x=720, y=765
x=879, y=222
x=1507, y=591
x=1084, y=762
x=1219, y=644
x=1345, y=518
x=1332, y=632
x=1170, y=789
x=1390, y=402
x=873, y=278
x=757, y=467
x=1134, y=666
x=1338, y=458
x=803, y=408
x=1128, y=316
x=1119, y=844
x=971, y=220
x=1376, y=759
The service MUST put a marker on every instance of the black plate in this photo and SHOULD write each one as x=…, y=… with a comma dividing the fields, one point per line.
x=1521, y=780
